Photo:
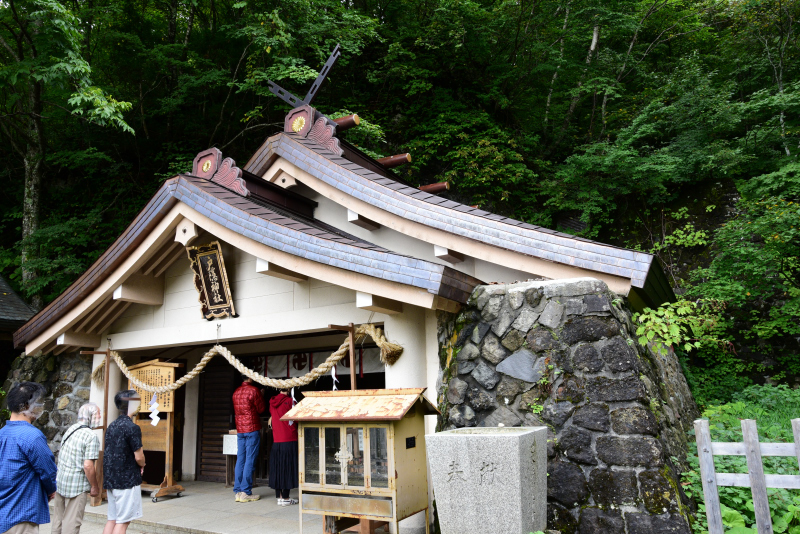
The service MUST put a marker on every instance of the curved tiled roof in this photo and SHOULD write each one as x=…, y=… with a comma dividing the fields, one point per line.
x=264, y=223
x=13, y=310
x=450, y=216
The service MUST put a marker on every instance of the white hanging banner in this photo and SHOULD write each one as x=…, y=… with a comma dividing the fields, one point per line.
x=299, y=364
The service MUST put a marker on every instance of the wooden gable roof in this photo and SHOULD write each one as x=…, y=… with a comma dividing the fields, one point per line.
x=648, y=284
x=266, y=223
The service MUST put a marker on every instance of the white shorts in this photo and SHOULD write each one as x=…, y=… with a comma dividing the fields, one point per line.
x=125, y=505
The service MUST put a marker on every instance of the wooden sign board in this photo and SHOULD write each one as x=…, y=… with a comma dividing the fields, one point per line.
x=211, y=281
x=155, y=373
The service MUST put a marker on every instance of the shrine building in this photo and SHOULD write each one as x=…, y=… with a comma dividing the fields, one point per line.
x=262, y=259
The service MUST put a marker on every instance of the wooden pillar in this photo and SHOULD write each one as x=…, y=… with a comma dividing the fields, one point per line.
x=351, y=330
x=97, y=501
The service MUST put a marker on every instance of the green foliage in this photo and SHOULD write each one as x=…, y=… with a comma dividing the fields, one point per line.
x=772, y=407
x=4, y=414
x=685, y=325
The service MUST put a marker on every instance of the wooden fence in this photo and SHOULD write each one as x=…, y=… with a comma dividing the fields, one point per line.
x=755, y=479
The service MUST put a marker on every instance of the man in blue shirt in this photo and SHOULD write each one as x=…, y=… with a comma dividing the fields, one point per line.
x=27, y=466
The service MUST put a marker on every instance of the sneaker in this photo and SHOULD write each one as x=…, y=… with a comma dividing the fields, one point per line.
x=249, y=498
x=286, y=502
x=238, y=497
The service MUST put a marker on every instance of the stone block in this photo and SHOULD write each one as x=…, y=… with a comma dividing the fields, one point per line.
x=592, y=416
x=62, y=388
x=613, y=487
x=68, y=376
x=461, y=416
x=574, y=287
x=598, y=521
x=502, y=416
x=456, y=390
x=566, y=483
x=481, y=299
x=504, y=319
x=514, y=340
x=491, y=476
x=492, y=350
x=596, y=304
x=607, y=389
x=521, y=365
x=630, y=451
x=516, y=297
x=574, y=306
x=82, y=393
x=508, y=388
x=62, y=403
x=480, y=400
x=634, y=420
x=561, y=360
x=657, y=493
x=84, y=380
x=618, y=355
x=571, y=389
x=541, y=339
x=468, y=352
x=479, y=332
x=533, y=296
x=560, y=519
x=552, y=315
x=588, y=328
x=485, y=375
x=465, y=368
x=525, y=320
x=557, y=413
x=648, y=524
x=492, y=308
x=577, y=445
x=587, y=359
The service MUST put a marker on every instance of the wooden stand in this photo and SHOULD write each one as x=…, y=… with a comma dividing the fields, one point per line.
x=160, y=437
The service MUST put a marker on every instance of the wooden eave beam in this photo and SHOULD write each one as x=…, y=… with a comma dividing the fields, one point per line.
x=71, y=338
x=160, y=256
x=100, y=309
x=179, y=253
x=360, y=220
x=448, y=255
x=271, y=269
x=366, y=301
x=113, y=316
x=93, y=326
x=138, y=289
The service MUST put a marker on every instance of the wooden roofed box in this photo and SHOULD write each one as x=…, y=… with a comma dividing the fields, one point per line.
x=362, y=455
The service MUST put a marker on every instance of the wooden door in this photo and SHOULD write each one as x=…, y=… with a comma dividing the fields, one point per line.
x=215, y=413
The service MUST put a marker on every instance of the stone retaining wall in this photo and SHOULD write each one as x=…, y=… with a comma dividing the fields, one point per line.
x=561, y=354
x=67, y=378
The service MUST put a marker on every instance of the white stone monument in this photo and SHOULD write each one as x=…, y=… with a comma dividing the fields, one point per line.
x=489, y=479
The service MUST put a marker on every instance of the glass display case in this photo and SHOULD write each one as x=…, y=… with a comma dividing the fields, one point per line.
x=362, y=455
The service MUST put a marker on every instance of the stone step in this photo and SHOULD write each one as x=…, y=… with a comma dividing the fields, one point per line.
x=142, y=525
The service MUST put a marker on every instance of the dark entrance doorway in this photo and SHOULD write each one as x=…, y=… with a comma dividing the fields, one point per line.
x=215, y=417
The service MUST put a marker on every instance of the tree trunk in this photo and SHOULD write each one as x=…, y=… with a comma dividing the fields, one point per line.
x=575, y=99
x=33, y=161
x=560, y=59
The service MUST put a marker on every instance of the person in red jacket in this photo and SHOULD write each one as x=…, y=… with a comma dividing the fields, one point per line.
x=283, y=460
x=248, y=403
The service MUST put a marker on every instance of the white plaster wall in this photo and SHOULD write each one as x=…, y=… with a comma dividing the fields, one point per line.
x=255, y=296
x=335, y=214
x=410, y=329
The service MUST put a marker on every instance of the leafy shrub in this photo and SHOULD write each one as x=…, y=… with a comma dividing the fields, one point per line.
x=772, y=407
